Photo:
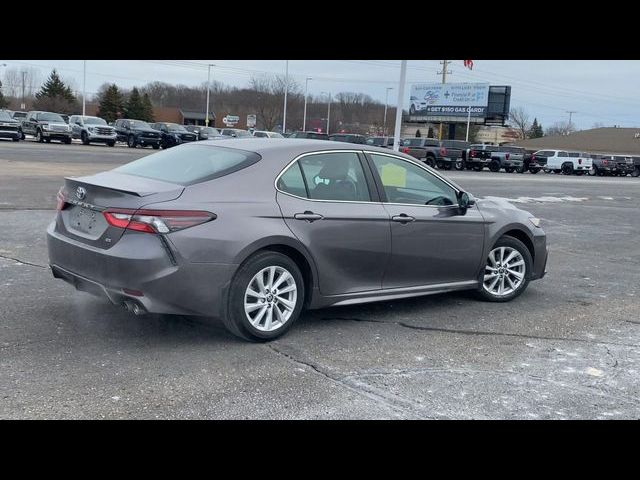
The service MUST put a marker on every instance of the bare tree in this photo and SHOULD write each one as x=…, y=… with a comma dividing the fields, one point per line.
x=561, y=128
x=521, y=120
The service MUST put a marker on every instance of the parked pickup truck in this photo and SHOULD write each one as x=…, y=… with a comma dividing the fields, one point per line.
x=92, y=129
x=477, y=157
x=566, y=162
x=46, y=126
x=507, y=157
x=624, y=165
x=532, y=162
x=636, y=164
x=435, y=153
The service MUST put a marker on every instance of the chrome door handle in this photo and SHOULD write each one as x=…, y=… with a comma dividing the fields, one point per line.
x=402, y=218
x=308, y=216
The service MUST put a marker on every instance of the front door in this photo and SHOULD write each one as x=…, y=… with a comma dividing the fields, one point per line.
x=329, y=203
x=432, y=242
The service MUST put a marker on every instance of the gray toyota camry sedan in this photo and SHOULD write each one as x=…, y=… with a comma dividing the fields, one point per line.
x=253, y=231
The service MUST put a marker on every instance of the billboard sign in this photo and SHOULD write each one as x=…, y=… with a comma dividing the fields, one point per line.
x=448, y=99
x=251, y=121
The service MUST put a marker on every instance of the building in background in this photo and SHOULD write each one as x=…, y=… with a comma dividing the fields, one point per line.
x=597, y=140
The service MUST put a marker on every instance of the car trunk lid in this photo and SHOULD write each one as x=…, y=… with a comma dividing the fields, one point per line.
x=86, y=198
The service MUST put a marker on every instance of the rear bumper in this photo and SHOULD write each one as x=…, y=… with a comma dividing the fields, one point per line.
x=141, y=262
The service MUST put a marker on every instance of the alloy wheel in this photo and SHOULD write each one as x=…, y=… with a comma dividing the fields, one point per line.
x=270, y=298
x=504, y=272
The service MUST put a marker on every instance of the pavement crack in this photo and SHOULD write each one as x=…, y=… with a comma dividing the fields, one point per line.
x=22, y=262
x=484, y=333
x=615, y=360
x=400, y=406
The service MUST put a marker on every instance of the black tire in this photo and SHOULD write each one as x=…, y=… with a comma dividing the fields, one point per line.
x=448, y=165
x=580, y=172
x=156, y=147
x=440, y=164
x=507, y=241
x=534, y=170
x=636, y=173
x=509, y=169
x=47, y=140
x=430, y=161
x=593, y=171
x=111, y=144
x=235, y=319
x=131, y=142
x=494, y=166
x=521, y=169
x=39, y=137
x=567, y=169
x=84, y=138
x=23, y=136
x=16, y=139
x=412, y=110
x=67, y=141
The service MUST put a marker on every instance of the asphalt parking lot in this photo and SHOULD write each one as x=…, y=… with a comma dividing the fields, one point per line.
x=568, y=348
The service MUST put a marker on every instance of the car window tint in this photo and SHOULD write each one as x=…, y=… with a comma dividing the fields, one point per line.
x=335, y=176
x=405, y=182
x=291, y=181
x=189, y=164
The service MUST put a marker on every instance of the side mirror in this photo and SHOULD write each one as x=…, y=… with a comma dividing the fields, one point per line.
x=465, y=201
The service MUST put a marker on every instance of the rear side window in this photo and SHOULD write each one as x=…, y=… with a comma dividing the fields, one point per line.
x=335, y=176
x=291, y=181
x=189, y=164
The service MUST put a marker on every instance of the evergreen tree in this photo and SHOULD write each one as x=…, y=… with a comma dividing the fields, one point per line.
x=3, y=101
x=148, y=108
x=111, y=104
x=536, y=130
x=55, y=95
x=134, y=108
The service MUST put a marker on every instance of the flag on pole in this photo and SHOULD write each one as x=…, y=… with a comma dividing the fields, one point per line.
x=468, y=64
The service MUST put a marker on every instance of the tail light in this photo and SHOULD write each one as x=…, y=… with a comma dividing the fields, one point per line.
x=443, y=152
x=507, y=156
x=156, y=221
x=533, y=157
x=579, y=161
x=404, y=150
x=60, y=201
x=605, y=161
x=472, y=153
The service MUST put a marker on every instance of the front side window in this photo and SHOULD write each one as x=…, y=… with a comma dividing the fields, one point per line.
x=335, y=176
x=405, y=182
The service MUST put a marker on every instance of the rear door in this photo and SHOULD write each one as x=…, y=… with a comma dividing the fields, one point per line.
x=330, y=204
x=431, y=242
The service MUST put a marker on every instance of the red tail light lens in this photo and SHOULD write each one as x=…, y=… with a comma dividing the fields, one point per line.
x=404, y=150
x=443, y=151
x=472, y=154
x=60, y=201
x=579, y=161
x=533, y=157
x=156, y=221
x=507, y=156
x=605, y=162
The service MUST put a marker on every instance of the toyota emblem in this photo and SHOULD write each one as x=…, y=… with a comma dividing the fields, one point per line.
x=81, y=192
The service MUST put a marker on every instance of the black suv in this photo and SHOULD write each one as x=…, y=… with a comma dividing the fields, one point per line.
x=172, y=134
x=204, y=133
x=9, y=127
x=137, y=132
x=312, y=135
x=348, y=137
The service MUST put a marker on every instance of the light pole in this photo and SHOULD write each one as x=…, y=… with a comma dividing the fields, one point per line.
x=2, y=65
x=286, y=89
x=328, y=108
x=84, y=88
x=403, y=78
x=206, y=117
x=386, y=101
x=304, y=115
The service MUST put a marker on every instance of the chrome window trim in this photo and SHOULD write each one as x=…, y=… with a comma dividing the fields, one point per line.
x=275, y=183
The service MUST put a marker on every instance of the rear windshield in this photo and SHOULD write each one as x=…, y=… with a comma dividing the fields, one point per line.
x=189, y=164
x=455, y=144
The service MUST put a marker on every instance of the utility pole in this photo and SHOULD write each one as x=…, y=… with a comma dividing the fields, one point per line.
x=206, y=117
x=84, y=88
x=304, y=115
x=570, y=112
x=403, y=78
x=444, y=72
x=286, y=89
x=23, y=105
x=384, y=122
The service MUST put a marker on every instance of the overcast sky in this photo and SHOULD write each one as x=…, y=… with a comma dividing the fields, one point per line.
x=598, y=91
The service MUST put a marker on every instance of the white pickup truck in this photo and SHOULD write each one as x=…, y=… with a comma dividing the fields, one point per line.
x=565, y=161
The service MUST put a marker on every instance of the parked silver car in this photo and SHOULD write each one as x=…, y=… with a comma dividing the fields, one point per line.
x=254, y=230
